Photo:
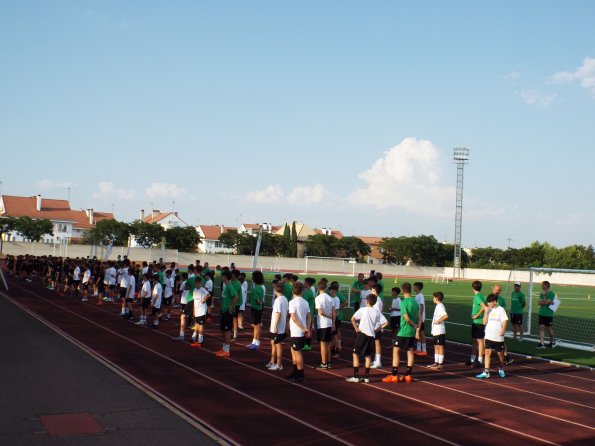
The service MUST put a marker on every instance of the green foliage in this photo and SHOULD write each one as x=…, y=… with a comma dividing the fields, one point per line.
x=33, y=230
x=293, y=243
x=353, y=247
x=422, y=250
x=147, y=234
x=287, y=240
x=106, y=230
x=183, y=239
x=7, y=224
x=322, y=245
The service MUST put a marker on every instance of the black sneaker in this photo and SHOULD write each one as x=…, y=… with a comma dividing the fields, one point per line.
x=477, y=365
x=540, y=346
x=468, y=362
x=154, y=327
x=323, y=367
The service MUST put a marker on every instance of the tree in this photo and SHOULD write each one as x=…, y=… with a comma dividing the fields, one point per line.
x=106, y=230
x=147, y=234
x=422, y=249
x=487, y=257
x=287, y=240
x=321, y=245
x=33, y=230
x=242, y=244
x=7, y=224
x=272, y=245
x=183, y=239
x=293, y=243
x=353, y=247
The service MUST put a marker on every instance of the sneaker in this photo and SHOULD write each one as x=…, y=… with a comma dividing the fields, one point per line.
x=553, y=344
x=420, y=353
x=390, y=379
x=276, y=367
x=366, y=380
x=434, y=366
x=336, y=355
x=501, y=373
x=84, y=299
x=178, y=338
x=376, y=365
x=477, y=365
x=196, y=345
x=323, y=367
x=352, y=379
x=253, y=347
x=483, y=375
x=540, y=346
x=168, y=317
x=438, y=367
x=154, y=327
x=468, y=362
x=222, y=354
x=306, y=348
x=140, y=323
x=508, y=361
x=269, y=365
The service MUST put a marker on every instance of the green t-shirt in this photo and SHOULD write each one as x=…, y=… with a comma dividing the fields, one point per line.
x=409, y=307
x=288, y=290
x=517, y=302
x=190, y=283
x=342, y=299
x=478, y=299
x=257, y=295
x=357, y=285
x=309, y=297
x=544, y=310
x=161, y=276
x=501, y=301
x=232, y=289
x=381, y=292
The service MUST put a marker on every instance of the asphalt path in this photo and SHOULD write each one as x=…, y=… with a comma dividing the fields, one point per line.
x=42, y=373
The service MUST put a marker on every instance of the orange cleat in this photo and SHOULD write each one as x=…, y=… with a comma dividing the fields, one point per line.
x=408, y=378
x=420, y=353
x=196, y=345
x=222, y=354
x=390, y=379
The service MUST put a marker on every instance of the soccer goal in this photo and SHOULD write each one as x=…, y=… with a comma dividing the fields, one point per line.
x=574, y=320
x=330, y=265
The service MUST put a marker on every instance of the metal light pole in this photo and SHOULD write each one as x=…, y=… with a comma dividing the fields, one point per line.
x=460, y=158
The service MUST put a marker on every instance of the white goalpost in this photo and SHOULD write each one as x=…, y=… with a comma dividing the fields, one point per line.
x=574, y=321
x=315, y=265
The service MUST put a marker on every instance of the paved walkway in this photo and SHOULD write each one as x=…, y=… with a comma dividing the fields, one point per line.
x=41, y=374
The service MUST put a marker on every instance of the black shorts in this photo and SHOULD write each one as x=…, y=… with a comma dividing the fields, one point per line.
x=85, y=286
x=378, y=335
x=324, y=334
x=76, y=282
x=364, y=345
x=146, y=302
x=405, y=343
x=100, y=287
x=279, y=338
x=236, y=310
x=188, y=309
x=200, y=320
x=167, y=301
x=112, y=287
x=355, y=306
x=546, y=321
x=440, y=339
x=297, y=344
x=422, y=327
x=337, y=327
x=155, y=310
x=395, y=322
x=123, y=291
x=478, y=331
x=226, y=323
x=256, y=317
x=516, y=319
x=493, y=345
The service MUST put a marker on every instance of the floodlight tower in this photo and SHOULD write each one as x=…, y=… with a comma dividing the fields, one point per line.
x=460, y=158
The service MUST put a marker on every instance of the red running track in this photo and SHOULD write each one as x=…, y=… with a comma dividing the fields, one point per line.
x=243, y=403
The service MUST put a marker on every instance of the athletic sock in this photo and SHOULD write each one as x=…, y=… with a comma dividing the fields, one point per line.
x=440, y=359
x=472, y=358
x=423, y=347
x=377, y=359
x=480, y=359
x=419, y=347
x=408, y=371
x=356, y=371
x=436, y=358
x=257, y=342
x=226, y=348
x=367, y=372
x=181, y=333
x=200, y=339
x=395, y=371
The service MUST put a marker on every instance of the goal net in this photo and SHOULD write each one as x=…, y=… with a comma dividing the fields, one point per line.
x=574, y=320
x=329, y=265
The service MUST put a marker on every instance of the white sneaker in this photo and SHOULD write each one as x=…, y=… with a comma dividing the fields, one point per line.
x=353, y=379
x=269, y=365
x=376, y=365
x=276, y=367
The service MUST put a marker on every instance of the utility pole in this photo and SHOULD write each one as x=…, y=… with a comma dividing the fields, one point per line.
x=460, y=158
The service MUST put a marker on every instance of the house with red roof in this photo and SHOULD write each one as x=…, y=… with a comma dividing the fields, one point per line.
x=166, y=219
x=209, y=239
x=68, y=224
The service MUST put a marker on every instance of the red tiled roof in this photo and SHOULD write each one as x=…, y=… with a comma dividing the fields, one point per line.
x=160, y=216
x=336, y=234
x=252, y=226
x=211, y=232
x=370, y=240
x=50, y=209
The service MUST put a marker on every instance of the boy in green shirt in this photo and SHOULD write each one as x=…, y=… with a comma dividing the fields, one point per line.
x=356, y=289
x=309, y=297
x=406, y=336
x=477, y=326
x=546, y=314
x=517, y=305
x=229, y=300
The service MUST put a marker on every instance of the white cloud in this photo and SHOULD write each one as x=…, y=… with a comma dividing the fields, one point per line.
x=164, y=190
x=307, y=194
x=270, y=194
x=50, y=184
x=513, y=75
x=585, y=74
x=408, y=176
x=107, y=190
x=534, y=97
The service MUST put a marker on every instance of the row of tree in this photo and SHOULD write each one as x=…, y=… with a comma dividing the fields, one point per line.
x=29, y=229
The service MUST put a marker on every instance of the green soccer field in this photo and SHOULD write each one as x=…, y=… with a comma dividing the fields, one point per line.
x=574, y=320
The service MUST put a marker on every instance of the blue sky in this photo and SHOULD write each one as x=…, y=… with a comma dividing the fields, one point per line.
x=339, y=114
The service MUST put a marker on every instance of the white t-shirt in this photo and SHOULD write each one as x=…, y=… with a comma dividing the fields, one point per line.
x=438, y=329
x=280, y=305
x=421, y=301
x=496, y=317
x=110, y=274
x=76, y=275
x=124, y=278
x=209, y=286
x=156, y=296
x=169, y=286
x=324, y=302
x=336, y=303
x=200, y=307
x=244, y=290
x=87, y=276
x=131, y=287
x=184, y=295
x=396, y=304
x=379, y=304
x=146, y=290
x=300, y=308
x=362, y=297
x=369, y=320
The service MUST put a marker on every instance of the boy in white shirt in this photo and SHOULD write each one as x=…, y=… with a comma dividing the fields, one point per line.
x=278, y=328
x=244, y=298
x=395, y=311
x=299, y=325
x=87, y=281
x=439, y=330
x=421, y=301
x=495, y=321
x=168, y=293
x=145, y=299
x=324, y=306
x=375, y=291
x=367, y=322
x=200, y=297
x=156, y=298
